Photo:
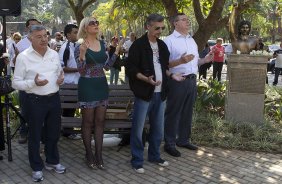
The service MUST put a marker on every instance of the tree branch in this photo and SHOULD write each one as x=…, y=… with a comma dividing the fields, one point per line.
x=198, y=12
x=71, y=3
x=88, y=3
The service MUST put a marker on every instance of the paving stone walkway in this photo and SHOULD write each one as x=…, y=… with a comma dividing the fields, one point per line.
x=208, y=165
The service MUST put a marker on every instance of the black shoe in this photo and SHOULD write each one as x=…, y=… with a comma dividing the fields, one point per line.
x=173, y=152
x=188, y=146
x=22, y=139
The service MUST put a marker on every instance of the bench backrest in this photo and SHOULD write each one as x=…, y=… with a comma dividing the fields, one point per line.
x=120, y=96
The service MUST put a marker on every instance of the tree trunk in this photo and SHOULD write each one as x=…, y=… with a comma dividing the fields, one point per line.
x=78, y=16
x=170, y=7
x=79, y=7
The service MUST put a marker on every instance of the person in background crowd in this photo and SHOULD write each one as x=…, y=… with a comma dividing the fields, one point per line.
x=203, y=68
x=278, y=64
x=21, y=46
x=13, y=51
x=25, y=42
x=69, y=65
x=10, y=40
x=126, y=46
x=38, y=72
x=184, y=59
x=147, y=70
x=218, y=60
x=57, y=42
x=93, y=88
x=115, y=69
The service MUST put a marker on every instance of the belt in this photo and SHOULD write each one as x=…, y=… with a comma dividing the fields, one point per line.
x=190, y=76
x=49, y=95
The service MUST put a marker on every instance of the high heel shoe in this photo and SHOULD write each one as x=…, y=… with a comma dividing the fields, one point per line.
x=90, y=164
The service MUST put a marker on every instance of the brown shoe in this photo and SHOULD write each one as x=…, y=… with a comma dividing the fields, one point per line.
x=22, y=139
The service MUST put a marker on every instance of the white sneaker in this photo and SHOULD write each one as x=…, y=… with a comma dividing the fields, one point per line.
x=161, y=162
x=58, y=168
x=139, y=170
x=37, y=176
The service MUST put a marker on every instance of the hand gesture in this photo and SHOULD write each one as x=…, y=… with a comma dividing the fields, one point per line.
x=39, y=82
x=208, y=58
x=185, y=58
x=178, y=77
x=152, y=82
x=82, y=49
x=61, y=78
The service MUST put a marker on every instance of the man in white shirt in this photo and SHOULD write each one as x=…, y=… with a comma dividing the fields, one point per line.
x=184, y=59
x=38, y=72
x=69, y=65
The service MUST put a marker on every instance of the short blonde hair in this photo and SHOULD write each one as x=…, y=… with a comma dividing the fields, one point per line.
x=81, y=31
x=17, y=34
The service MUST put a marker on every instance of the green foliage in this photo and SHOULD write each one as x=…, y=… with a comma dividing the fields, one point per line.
x=211, y=96
x=273, y=103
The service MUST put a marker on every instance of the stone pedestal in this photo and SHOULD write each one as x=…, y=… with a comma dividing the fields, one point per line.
x=246, y=76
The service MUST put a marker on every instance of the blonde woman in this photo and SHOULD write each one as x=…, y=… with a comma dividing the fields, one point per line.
x=93, y=90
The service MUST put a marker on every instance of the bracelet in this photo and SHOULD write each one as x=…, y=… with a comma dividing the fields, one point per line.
x=170, y=76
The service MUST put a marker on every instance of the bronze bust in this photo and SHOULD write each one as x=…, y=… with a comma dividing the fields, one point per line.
x=245, y=43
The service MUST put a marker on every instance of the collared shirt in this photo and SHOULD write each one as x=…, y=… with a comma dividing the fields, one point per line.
x=178, y=45
x=23, y=44
x=70, y=78
x=29, y=63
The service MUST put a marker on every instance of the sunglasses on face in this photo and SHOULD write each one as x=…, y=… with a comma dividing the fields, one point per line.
x=93, y=23
x=158, y=28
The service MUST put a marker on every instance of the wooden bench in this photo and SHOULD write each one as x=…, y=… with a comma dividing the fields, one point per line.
x=118, y=112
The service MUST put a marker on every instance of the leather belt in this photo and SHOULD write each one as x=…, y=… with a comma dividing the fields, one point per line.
x=190, y=76
x=49, y=95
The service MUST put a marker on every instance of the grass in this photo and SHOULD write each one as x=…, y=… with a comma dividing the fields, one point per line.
x=213, y=131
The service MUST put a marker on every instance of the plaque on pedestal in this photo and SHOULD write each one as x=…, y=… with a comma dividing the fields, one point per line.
x=246, y=76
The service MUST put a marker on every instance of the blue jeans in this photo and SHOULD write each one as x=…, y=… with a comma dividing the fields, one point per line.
x=114, y=73
x=155, y=111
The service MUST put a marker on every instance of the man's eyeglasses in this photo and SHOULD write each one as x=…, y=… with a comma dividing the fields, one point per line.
x=93, y=23
x=184, y=20
x=158, y=28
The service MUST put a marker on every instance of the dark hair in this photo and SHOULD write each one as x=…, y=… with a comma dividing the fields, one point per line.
x=175, y=17
x=154, y=18
x=29, y=20
x=244, y=22
x=68, y=28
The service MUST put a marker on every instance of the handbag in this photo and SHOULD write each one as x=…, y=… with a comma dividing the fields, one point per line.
x=5, y=85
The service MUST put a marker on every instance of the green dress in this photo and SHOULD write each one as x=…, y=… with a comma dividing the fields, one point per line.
x=93, y=88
